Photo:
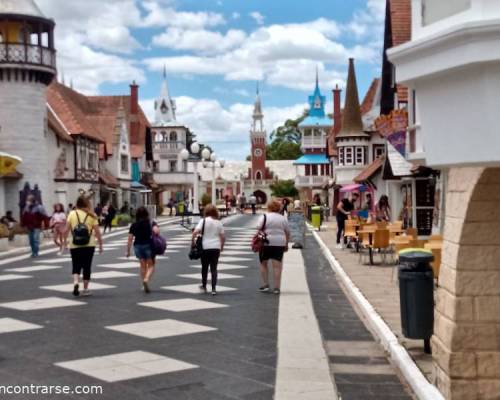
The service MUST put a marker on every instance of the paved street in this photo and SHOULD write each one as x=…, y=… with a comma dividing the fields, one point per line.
x=174, y=343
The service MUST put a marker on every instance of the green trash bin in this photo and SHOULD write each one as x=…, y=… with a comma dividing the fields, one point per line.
x=180, y=207
x=316, y=216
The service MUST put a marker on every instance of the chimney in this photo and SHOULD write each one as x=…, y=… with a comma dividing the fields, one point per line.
x=134, y=112
x=134, y=98
x=337, y=113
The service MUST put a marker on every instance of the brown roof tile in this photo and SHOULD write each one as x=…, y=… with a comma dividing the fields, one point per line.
x=370, y=170
x=55, y=124
x=369, y=99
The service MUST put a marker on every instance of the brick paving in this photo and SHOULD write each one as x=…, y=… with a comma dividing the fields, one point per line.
x=379, y=285
x=358, y=363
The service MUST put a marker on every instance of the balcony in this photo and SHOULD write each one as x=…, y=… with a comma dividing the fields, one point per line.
x=311, y=181
x=168, y=147
x=312, y=142
x=28, y=54
x=415, y=144
x=173, y=178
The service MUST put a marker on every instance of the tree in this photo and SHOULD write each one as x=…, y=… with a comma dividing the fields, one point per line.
x=284, y=189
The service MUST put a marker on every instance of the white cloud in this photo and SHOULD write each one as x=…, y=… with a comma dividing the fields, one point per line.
x=236, y=15
x=164, y=15
x=258, y=17
x=202, y=41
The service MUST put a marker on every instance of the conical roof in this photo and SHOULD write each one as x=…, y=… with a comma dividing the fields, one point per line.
x=352, y=124
x=20, y=7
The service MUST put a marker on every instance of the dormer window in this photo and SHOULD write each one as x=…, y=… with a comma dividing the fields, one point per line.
x=317, y=102
x=164, y=107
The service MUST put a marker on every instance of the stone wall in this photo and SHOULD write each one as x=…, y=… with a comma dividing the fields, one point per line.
x=23, y=133
x=466, y=342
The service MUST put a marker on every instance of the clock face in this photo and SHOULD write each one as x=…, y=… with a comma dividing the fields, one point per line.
x=257, y=152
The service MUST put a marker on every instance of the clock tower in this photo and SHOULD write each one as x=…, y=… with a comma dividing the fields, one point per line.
x=258, y=138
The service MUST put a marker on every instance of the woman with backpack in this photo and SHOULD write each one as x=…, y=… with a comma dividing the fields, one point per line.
x=84, y=227
x=140, y=234
x=274, y=227
x=212, y=232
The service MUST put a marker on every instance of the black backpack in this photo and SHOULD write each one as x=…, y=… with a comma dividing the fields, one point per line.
x=81, y=232
x=197, y=247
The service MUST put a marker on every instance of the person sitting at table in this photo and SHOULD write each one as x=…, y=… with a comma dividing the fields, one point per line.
x=344, y=209
x=383, y=209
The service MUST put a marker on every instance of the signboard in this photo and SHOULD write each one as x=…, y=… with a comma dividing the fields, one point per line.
x=393, y=127
x=297, y=223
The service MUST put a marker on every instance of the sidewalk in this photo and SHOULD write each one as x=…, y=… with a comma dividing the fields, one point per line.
x=380, y=290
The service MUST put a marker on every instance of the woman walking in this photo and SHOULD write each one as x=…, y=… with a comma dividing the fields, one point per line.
x=58, y=225
x=140, y=234
x=383, y=210
x=212, y=231
x=84, y=228
x=109, y=217
x=275, y=227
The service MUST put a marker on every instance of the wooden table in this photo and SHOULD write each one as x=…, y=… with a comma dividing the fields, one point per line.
x=369, y=231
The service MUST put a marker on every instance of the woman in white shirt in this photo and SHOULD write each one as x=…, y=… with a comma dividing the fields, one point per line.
x=58, y=225
x=277, y=231
x=213, y=244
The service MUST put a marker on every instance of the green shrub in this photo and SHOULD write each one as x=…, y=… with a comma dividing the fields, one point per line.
x=206, y=199
x=123, y=219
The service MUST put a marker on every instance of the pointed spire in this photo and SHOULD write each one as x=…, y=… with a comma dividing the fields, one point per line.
x=164, y=105
x=352, y=124
x=258, y=91
x=317, y=77
x=164, y=71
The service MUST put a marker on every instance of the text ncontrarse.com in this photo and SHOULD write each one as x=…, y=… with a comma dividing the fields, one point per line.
x=49, y=389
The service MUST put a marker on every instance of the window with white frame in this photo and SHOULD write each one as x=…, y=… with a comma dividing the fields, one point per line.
x=92, y=161
x=341, y=156
x=360, y=155
x=378, y=151
x=173, y=166
x=349, y=156
x=124, y=163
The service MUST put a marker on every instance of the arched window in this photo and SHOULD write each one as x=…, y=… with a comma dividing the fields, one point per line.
x=258, y=175
x=173, y=136
x=164, y=136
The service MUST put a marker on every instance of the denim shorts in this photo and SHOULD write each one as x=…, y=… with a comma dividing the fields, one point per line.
x=143, y=251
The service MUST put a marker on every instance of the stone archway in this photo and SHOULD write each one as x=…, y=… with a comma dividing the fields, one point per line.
x=261, y=197
x=466, y=342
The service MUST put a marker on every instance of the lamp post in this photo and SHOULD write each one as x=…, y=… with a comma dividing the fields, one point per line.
x=210, y=161
x=186, y=154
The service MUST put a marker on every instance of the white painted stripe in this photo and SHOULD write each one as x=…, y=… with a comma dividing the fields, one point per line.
x=412, y=374
x=303, y=371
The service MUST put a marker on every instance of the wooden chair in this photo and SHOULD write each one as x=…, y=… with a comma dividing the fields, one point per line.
x=417, y=243
x=350, y=231
x=381, y=242
x=413, y=232
x=382, y=224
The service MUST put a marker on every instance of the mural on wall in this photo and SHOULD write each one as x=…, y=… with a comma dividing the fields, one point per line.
x=393, y=127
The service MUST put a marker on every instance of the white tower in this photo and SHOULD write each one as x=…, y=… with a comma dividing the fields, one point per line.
x=27, y=66
x=164, y=106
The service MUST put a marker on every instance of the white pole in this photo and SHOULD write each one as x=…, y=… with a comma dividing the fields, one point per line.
x=196, y=190
x=214, y=200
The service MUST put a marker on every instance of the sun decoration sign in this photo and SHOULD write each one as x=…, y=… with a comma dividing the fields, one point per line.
x=8, y=163
x=393, y=127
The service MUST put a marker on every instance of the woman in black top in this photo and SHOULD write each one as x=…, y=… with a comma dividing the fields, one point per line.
x=140, y=233
x=344, y=209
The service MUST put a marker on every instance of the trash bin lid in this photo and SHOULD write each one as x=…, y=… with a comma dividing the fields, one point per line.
x=416, y=256
x=316, y=208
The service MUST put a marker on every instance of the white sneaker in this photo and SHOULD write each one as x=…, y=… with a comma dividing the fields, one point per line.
x=340, y=246
x=86, y=292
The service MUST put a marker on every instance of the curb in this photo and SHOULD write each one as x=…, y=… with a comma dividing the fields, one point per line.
x=422, y=388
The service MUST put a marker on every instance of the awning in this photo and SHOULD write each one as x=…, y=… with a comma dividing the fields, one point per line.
x=108, y=179
x=354, y=187
x=370, y=171
x=8, y=163
x=396, y=166
x=315, y=159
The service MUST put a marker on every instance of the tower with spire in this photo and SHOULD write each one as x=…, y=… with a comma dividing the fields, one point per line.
x=165, y=107
x=352, y=141
x=258, y=139
x=27, y=67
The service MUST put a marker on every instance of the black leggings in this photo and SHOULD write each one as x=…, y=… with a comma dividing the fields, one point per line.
x=340, y=228
x=82, y=260
x=209, y=258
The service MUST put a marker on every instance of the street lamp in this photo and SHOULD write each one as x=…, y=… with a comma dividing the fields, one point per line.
x=210, y=161
x=185, y=154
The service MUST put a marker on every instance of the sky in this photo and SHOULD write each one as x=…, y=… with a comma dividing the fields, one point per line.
x=215, y=52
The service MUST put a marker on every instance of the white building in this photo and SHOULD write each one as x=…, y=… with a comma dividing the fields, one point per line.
x=170, y=138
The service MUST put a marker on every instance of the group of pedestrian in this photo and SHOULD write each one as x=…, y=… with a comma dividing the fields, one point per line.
x=83, y=225
x=347, y=207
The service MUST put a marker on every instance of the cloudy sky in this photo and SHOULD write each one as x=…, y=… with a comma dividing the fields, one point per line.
x=215, y=51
